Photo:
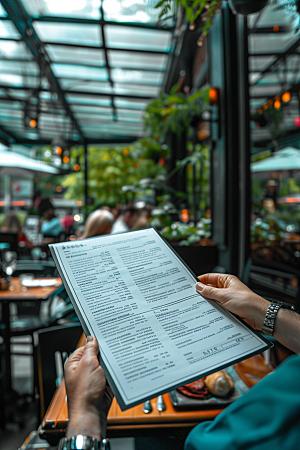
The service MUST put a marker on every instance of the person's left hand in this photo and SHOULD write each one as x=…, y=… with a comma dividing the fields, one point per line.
x=89, y=396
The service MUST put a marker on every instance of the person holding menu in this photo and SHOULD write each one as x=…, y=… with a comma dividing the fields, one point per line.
x=267, y=416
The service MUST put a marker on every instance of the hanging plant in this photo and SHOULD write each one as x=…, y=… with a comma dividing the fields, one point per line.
x=175, y=112
x=192, y=9
x=292, y=7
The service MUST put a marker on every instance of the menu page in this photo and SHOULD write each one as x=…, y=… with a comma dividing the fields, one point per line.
x=138, y=298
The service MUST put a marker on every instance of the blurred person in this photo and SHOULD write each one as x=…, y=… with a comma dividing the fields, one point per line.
x=11, y=223
x=68, y=221
x=143, y=217
x=98, y=223
x=51, y=226
x=125, y=220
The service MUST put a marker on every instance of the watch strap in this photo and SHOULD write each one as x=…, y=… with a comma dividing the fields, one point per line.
x=78, y=442
x=269, y=322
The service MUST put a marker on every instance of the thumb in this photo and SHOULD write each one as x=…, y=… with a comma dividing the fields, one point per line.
x=91, y=347
x=210, y=292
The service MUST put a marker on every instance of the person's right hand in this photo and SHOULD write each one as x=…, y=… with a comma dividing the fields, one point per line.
x=89, y=396
x=229, y=292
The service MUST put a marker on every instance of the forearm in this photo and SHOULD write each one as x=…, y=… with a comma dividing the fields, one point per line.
x=287, y=329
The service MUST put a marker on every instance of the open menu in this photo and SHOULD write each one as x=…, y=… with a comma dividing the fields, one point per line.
x=138, y=298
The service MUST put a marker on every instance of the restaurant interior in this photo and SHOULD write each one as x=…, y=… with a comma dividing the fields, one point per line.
x=183, y=116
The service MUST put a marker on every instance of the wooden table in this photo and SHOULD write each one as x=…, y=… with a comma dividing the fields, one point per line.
x=134, y=422
x=18, y=293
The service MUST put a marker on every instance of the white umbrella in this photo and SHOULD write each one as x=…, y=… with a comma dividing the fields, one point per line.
x=14, y=164
x=285, y=159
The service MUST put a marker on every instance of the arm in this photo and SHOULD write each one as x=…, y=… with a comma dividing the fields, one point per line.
x=88, y=395
x=229, y=292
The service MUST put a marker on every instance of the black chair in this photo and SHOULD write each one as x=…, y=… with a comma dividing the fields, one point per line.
x=54, y=346
x=10, y=238
x=29, y=320
x=273, y=280
x=40, y=269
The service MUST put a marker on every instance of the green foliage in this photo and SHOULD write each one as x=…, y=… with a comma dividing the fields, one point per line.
x=174, y=112
x=111, y=168
x=193, y=9
x=185, y=234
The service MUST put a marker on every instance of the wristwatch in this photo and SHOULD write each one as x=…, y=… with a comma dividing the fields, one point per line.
x=269, y=322
x=81, y=442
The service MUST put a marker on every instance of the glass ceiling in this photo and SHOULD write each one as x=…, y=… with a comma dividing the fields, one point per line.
x=100, y=63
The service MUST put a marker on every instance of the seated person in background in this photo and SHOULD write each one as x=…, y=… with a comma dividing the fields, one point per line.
x=142, y=220
x=265, y=417
x=51, y=226
x=98, y=222
x=126, y=219
x=12, y=223
x=68, y=222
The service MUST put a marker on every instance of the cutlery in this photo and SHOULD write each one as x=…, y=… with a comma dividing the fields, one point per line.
x=147, y=408
x=160, y=404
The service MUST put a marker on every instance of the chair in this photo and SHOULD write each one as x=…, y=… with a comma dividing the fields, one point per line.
x=53, y=348
x=273, y=280
x=29, y=320
x=39, y=269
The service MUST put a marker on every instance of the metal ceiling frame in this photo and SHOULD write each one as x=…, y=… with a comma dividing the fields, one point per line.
x=24, y=24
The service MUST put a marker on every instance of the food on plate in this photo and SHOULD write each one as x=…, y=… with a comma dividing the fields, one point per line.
x=219, y=383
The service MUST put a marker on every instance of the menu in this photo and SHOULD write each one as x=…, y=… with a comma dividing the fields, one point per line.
x=155, y=332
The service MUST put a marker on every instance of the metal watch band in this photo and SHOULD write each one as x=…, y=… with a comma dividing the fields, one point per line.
x=270, y=318
x=78, y=442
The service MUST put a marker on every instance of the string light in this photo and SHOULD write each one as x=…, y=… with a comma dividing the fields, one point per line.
x=33, y=123
x=277, y=104
x=286, y=97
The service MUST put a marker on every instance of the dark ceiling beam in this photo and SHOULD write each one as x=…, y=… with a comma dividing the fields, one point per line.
x=93, y=66
x=85, y=93
x=6, y=137
x=268, y=30
x=277, y=54
x=99, y=141
x=283, y=56
x=117, y=49
x=22, y=22
x=144, y=26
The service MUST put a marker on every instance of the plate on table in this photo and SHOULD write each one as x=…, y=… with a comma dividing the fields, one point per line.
x=38, y=283
x=181, y=401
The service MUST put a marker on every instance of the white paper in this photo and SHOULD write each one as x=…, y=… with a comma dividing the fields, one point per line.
x=154, y=331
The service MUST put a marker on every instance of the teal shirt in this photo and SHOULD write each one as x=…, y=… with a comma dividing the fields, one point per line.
x=267, y=417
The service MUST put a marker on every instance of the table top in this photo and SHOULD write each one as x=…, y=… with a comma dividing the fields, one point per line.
x=17, y=292
x=56, y=419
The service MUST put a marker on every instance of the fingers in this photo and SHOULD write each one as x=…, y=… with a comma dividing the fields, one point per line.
x=212, y=293
x=214, y=279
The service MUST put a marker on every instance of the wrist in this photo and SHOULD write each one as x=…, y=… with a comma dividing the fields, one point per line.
x=260, y=310
x=84, y=422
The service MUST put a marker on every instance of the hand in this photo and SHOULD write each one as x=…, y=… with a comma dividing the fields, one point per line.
x=229, y=292
x=89, y=396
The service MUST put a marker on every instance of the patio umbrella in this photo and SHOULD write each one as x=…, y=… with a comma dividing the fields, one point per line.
x=285, y=159
x=14, y=164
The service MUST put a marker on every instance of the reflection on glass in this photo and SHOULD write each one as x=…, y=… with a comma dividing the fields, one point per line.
x=8, y=30
x=125, y=59
x=12, y=49
x=135, y=38
x=79, y=55
x=88, y=9
x=141, y=11
x=72, y=33
x=80, y=72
